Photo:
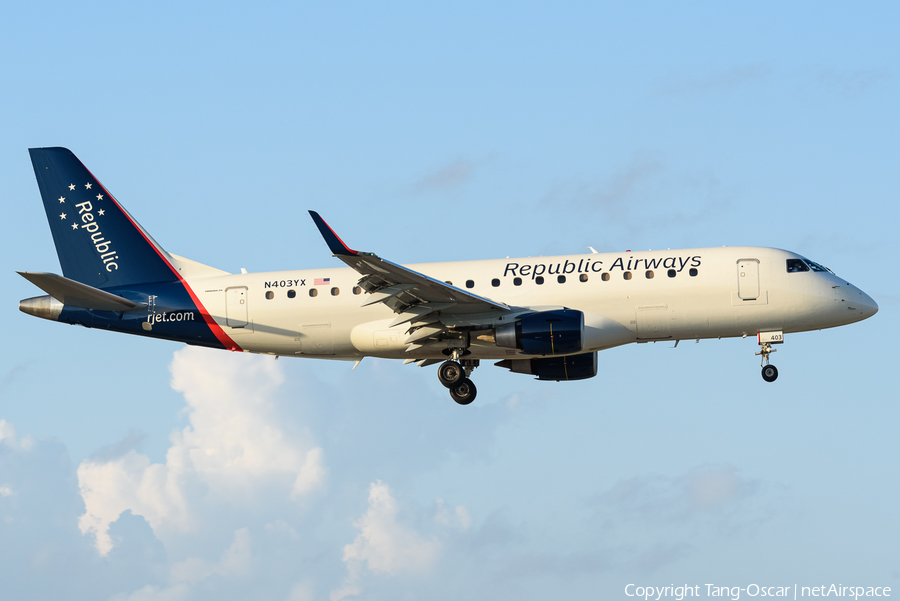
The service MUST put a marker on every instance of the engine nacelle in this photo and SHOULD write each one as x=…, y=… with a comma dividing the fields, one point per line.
x=571, y=367
x=544, y=333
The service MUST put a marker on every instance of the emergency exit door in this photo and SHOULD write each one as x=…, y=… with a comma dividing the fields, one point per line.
x=236, y=307
x=748, y=279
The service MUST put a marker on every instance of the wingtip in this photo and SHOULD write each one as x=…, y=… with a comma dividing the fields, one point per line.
x=334, y=241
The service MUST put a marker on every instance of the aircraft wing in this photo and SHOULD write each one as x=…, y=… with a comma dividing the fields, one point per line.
x=415, y=297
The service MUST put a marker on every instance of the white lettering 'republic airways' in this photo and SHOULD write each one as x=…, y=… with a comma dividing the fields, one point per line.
x=101, y=244
x=593, y=265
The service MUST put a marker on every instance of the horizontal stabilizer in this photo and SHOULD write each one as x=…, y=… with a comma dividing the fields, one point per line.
x=75, y=294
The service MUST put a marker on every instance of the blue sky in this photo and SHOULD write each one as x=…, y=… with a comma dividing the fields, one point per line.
x=135, y=469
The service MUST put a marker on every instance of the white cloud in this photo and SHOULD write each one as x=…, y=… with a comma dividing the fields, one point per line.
x=9, y=438
x=155, y=593
x=130, y=482
x=712, y=487
x=302, y=591
x=457, y=517
x=312, y=474
x=233, y=447
x=705, y=490
x=383, y=544
x=283, y=528
x=235, y=561
x=7, y=433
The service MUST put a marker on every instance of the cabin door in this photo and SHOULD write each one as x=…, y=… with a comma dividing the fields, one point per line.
x=748, y=279
x=236, y=307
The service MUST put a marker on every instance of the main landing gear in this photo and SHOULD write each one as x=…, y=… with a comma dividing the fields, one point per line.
x=454, y=374
x=769, y=372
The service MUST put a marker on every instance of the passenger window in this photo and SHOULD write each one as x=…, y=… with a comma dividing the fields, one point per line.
x=357, y=290
x=605, y=277
x=270, y=295
x=650, y=274
x=292, y=293
x=627, y=275
x=470, y=284
x=561, y=279
x=335, y=291
x=693, y=272
x=796, y=266
x=313, y=292
x=539, y=280
x=495, y=282
x=583, y=277
x=672, y=273
x=517, y=281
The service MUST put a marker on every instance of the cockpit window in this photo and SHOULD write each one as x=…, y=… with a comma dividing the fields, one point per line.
x=815, y=266
x=796, y=265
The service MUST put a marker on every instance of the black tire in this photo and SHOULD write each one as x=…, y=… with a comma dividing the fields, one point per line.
x=465, y=392
x=451, y=374
x=770, y=373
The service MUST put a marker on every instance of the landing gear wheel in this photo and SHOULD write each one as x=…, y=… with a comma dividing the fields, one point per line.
x=770, y=373
x=451, y=374
x=465, y=392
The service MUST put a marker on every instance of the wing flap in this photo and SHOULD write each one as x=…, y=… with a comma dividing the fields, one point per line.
x=385, y=294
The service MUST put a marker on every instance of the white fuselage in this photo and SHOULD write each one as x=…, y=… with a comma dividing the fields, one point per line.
x=625, y=297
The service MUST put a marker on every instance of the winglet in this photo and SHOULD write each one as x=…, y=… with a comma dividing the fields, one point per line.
x=336, y=245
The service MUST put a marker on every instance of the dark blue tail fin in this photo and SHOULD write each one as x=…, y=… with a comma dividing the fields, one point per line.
x=98, y=242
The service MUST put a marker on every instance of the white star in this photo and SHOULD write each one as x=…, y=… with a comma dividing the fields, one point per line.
x=99, y=197
x=74, y=226
x=101, y=211
x=71, y=186
x=87, y=186
x=62, y=199
x=62, y=215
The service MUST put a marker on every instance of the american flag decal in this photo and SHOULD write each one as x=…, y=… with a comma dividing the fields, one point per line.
x=321, y=281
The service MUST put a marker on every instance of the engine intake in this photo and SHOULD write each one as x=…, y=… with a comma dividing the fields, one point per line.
x=571, y=367
x=557, y=332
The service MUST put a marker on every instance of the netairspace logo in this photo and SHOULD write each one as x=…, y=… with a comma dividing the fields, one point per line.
x=678, y=593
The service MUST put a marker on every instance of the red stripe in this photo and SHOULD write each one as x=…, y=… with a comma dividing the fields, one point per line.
x=347, y=248
x=216, y=329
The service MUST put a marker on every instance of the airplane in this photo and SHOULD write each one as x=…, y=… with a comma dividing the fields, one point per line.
x=543, y=316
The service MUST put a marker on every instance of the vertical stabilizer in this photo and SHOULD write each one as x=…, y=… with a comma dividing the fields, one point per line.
x=98, y=242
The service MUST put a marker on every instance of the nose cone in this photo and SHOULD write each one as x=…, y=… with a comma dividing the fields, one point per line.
x=867, y=306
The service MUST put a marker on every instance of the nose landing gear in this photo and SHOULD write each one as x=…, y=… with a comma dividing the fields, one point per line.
x=454, y=374
x=769, y=372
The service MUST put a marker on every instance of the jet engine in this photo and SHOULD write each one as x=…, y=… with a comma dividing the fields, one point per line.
x=571, y=367
x=558, y=332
